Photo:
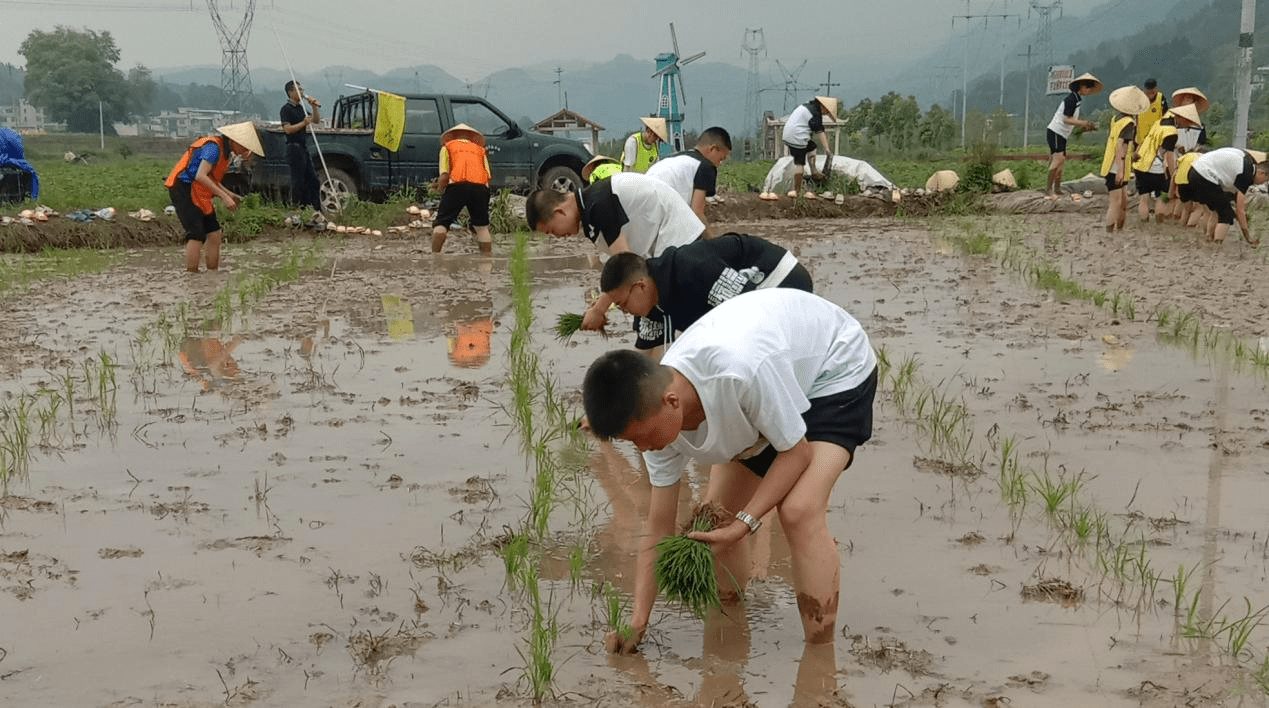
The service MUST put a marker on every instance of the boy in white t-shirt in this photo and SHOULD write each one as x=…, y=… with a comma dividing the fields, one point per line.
x=626, y=212
x=776, y=404
x=694, y=173
x=1064, y=122
x=1219, y=181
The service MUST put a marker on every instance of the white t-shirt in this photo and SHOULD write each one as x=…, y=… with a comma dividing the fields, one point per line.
x=658, y=217
x=686, y=172
x=756, y=360
x=797, y=129
x=1058, y=124
x=1221, y=167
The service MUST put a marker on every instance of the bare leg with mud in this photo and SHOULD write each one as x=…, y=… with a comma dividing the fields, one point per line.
x=732, y=485
x=804, y=518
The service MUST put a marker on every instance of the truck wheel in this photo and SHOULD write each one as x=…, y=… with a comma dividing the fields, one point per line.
x=337, y=190
x=561, y=179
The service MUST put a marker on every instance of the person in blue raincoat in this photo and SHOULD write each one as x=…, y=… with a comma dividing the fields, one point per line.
x=12, y=153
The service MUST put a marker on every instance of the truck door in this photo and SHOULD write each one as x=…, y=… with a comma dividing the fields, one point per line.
x=510, y=149
x=419, y=156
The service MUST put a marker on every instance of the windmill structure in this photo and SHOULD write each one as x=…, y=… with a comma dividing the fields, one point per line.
x=672, y=94
x=235, y=77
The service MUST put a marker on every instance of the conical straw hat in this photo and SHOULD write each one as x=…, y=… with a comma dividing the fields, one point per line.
x=1189, y=112
x=657, y=125
x=462, y=130
x=245, y=135
x=595, y=162
x=830, y=104
x=1097, y=83
x=1004, y=178
x=1257, y=155
x=1130, y=100
x=1199, y=98
x=943, y=179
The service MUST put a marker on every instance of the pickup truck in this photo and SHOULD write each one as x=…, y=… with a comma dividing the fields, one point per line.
x=518, y=160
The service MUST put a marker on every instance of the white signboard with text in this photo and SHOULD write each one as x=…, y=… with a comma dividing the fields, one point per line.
x=1060, y=78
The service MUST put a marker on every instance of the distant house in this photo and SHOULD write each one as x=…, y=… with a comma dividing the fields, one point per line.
x=23, y=117
x=566, y=123
x=186, y=122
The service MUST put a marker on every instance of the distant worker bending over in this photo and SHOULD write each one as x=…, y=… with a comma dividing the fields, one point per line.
x=806, y=122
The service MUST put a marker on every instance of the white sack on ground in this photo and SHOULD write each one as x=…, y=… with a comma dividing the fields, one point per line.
x=780, y=178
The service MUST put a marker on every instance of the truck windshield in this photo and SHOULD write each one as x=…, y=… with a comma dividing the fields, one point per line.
x=478, y=116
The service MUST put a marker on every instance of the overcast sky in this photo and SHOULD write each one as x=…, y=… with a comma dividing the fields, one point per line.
x=472, y=38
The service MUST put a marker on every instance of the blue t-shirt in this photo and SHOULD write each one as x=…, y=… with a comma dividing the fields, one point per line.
x=209, y=152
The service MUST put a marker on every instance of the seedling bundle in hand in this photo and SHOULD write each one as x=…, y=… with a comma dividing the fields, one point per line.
x=567, y=325
x=685, y=568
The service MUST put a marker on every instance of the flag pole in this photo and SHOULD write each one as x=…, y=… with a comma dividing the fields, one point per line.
x=316, y=144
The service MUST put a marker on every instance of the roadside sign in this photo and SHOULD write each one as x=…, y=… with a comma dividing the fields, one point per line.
x=1060, y=78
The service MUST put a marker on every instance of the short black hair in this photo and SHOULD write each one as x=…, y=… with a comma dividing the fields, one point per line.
x=1151, y=83
x=539, y=205
x=622, y=269
x=714, y=136
x=621, y=386
x=290, y=85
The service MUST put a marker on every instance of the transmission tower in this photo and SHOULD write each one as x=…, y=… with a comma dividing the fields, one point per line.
x=754, y=43
x=1043, y=37
x=235, y=77
x=791, y=86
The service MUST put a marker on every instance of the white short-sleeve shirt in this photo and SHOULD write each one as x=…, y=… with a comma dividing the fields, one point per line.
x=756, y=360
x=659, y=218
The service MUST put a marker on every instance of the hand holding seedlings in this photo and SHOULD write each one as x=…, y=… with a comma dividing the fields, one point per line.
x=722, y=537
x=624, y=640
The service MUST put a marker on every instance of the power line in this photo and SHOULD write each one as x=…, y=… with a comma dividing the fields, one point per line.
x=100, y=6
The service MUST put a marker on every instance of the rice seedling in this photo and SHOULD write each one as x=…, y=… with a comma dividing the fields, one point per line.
x=1099, y=298
x=539, y=670
x=567, y=325
x=576, y=564
x=1239, y=631
x=1055, y=492
x=684, y=568
x=514, y=556
x=1261, y=676
x=1130, y=308
x=1162, y=316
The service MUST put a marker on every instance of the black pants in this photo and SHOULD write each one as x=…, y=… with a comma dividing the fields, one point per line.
x=304, y=186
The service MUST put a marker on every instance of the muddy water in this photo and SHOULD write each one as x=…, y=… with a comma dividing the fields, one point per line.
x=304, y=510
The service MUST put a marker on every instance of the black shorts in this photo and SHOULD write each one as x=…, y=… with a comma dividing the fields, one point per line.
x=1057, y=143
x=799, y=153
x=475, y=197
x=1152, y=183
x=197, y=224
x=1185, y=192
x=1111, y=180
x=1213, y=197
x=844, y=419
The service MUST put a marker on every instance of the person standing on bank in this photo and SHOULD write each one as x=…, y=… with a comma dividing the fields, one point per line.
x=305, y=189
x=642, y=147
x=804, y=123
x=463, y=182
x=196, y=180
x=1065, y=120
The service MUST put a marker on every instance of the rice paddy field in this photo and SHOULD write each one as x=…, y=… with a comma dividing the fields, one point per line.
x=345, y=472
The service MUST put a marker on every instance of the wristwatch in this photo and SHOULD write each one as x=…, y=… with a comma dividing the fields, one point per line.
x=750, y=521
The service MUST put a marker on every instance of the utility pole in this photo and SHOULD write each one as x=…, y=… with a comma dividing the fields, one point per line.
x=828, y=84
x=965, y=60
x=1026, y=111
x=559, y=84
x=754, y=43
x=235, y=77
x=1242, y=89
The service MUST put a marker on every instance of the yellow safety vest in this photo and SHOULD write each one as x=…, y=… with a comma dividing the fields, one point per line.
x=1112, y=144
x=1148, y=149
x=1183, y=165
x=645, y=154
x=1146, y=120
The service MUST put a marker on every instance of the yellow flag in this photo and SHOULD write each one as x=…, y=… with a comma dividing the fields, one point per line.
x=390, y=122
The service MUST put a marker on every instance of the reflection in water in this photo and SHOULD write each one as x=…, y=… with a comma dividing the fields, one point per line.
x=209, y=360
x=470, y=332
x=1215, y=470
x=400, y=316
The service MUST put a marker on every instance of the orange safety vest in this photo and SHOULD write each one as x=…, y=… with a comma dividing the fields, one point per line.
x=467, y=162
x=200, y=194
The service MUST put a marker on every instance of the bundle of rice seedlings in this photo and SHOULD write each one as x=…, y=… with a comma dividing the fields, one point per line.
x=685, y=568
x=567, y=325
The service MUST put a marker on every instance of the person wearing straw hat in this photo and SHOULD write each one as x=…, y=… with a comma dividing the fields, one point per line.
x=1156, y=164
x=1219, y=180
x=1190, y=137
x=694, y=173
x=1129, y=101
x=1065, y=120
x=804, y=123
x=463, y=183
x=1188, y=212
x=195, y=180
x=1154, y=113
x=305, y=188
x=600, y=167
x=641, y=147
